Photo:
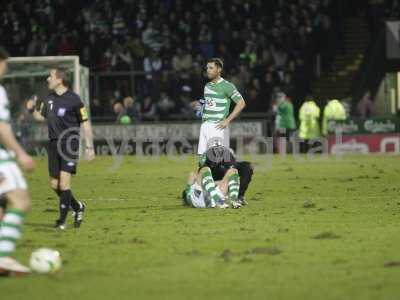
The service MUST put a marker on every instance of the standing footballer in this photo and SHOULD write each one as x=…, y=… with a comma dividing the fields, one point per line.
x=65, y=114
x=218, y=95
x=13, y=188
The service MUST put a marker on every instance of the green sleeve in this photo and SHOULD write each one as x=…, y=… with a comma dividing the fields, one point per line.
x=282, y=108
x=202, y=160
x=233, y=93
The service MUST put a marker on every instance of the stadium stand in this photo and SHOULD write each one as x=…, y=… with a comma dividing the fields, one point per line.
x=266, y=45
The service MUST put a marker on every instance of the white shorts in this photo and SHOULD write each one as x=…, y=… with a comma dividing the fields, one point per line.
x=209, y=134
x=200, y=198
x=11, y=177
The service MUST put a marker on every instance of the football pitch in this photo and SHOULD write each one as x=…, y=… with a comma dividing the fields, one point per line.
x=321, y=229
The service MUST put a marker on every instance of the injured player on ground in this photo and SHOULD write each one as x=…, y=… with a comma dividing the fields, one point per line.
x=203, y=192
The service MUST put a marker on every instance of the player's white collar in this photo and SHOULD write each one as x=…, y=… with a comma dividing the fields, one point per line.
x=218, y=81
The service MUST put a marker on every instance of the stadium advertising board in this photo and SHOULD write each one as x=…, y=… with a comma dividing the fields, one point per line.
x=149, y=138
x=189, y=131
x=365, y=143
x=368, y=126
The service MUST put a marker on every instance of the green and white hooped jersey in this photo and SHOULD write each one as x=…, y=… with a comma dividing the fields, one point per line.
x=4, y=117
x=196, y=197
x=218, y=97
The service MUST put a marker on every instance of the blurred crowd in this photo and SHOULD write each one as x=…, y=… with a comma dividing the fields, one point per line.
x=267, y=47
x=392, y=9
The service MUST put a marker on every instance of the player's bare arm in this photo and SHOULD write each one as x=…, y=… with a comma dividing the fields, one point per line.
x=240, y=105
x=192, y=178
x=7, y=139
x=88, y=134
x=31, y=106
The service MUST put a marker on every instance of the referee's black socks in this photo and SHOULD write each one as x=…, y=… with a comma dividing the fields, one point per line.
x=65, y=202
x=75, y=204
x=57, y=191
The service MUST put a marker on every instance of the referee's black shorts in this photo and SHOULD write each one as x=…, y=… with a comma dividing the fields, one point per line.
x=62, y=156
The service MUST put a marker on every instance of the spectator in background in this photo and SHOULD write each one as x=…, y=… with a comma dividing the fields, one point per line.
x=265, y=44
x=197, y=81
x=287, y=85
x=51, y=44
x=131, y=109
x=184, y=104
x=302, y=79
x=328, y=43
x=118, y=109
x=23, y=126
x=280, y=57
x=243, y=77
x=253, y=95
x=205, y=41
x=148, y=110
x=136, y=47
x=393, y=8
x=152, y=65
x=366, y=107
x=151, y=37
x=309, y=123
x=249, y=56
x=118, y=57
x=118, y=26
x=285, y=123
x=33, y=47
x=229, y=60
x=165, y=106
x=181, y=61
x=96, y=108
x=267, y=87
x=91, y=52
x=264, y=60
x=67, y=45
x=108, y=111
x=333, y=111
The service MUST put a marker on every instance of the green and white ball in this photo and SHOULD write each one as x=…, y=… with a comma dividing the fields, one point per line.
x=45, y=260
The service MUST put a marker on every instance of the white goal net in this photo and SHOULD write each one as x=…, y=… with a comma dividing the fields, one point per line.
x=26, y=76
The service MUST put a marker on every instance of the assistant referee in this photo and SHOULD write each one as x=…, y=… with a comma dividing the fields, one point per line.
x=65, y=115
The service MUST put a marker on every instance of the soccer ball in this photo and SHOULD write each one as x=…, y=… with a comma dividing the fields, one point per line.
x=45, y=260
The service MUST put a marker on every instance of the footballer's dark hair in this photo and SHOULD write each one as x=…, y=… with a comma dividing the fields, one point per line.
x=3, y=54
x=64, y=74
x=184, y=198
x=217, y=61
